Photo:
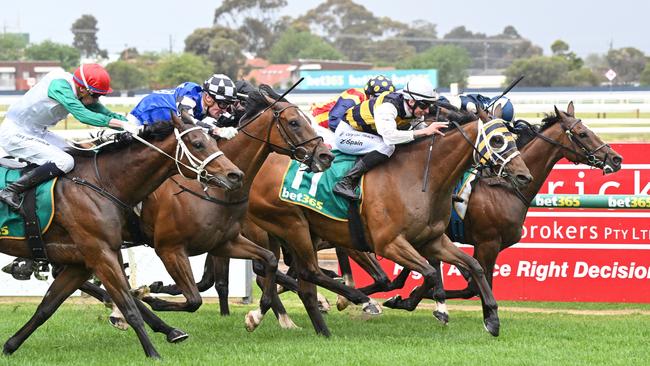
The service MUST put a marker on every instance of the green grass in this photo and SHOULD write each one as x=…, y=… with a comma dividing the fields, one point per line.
x=79, y=334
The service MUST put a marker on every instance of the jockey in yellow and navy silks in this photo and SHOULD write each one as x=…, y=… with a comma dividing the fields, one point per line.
x=24, y=133
x=207, y=103
x=374, y=127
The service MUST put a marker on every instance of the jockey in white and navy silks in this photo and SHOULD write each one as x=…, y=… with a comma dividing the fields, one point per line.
x=206, y=104
x=468, y=102
x=375, y=126
x=24, y=133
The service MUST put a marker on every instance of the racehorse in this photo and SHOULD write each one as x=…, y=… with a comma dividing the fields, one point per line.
x=401, y=222
x=84, y=236
x=183, y=221
x=496, y=212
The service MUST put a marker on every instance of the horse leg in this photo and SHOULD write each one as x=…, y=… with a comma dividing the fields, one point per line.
x=173, y=335
x=307, y=294
x=371, y=265
x=449, y=253
x=67, y=281
x=220, y=274
x=203, y=285
x=178, y=266
x=438, y=294
x=241, y=247
x=109, y=270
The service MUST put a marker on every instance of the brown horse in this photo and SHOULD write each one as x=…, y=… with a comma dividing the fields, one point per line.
x=401, y=222
x=183, y=221
x=496, y=212
x=84, y=236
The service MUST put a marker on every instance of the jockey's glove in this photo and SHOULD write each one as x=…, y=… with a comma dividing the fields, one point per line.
x=227, y=132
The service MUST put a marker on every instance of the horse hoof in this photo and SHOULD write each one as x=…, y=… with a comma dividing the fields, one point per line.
x=252, y=320
x=371, y=308
x=177, y=336
x=342, y=303
x=442, y=317
x=118, y=323
x=323, y=304
x=155, y=287
x=393, y=301
x=8, y=349
x=286, y=322
x=492, y=327
x=141, y=292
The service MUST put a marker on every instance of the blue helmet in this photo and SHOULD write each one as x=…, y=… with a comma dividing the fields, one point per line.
x=378, y=85
x=507, y=109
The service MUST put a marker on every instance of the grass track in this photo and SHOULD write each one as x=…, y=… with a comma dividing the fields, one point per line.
x=79, y=334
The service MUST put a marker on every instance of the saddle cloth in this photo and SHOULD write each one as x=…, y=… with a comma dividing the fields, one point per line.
x=314, y=190
x=12, y=224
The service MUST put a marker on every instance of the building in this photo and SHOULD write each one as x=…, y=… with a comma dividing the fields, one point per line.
x=22, y=75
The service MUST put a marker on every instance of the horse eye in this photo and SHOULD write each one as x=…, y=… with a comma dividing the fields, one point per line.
x=198, y=144
x=582, y=134
x=293, y=123
x=497, y=142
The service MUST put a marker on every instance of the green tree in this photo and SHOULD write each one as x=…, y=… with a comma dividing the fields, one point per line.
x=12, y=46
x=85, y=36
x=559, y=48
x=539, y=70
x=221, y=46
x=126, y=75
x=451, y=62
x=645, y=75
x=47, y=50
x=628, y=63
x=296, y=44
x=175, y=69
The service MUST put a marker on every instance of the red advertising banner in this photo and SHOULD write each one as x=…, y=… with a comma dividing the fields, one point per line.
x=600, y=255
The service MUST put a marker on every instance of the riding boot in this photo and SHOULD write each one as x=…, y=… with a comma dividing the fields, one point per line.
x=11, y=193
x=346, y=187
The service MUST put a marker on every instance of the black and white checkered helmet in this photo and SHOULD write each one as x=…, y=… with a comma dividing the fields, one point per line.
x=220, y=87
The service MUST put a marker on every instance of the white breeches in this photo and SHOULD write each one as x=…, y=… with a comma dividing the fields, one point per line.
x=353, y=142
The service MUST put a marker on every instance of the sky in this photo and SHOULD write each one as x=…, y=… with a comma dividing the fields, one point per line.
x=587, y=26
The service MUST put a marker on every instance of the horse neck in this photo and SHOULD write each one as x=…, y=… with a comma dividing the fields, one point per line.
x=132, y=173
x=248, y=153
x=450, y=158
x=540, y=157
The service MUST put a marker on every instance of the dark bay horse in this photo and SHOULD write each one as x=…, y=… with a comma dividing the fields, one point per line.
x=84, y=236
x=402, y=223
x=183, y=221
x=496, y=213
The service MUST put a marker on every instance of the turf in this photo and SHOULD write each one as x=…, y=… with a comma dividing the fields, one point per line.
x=79, y=334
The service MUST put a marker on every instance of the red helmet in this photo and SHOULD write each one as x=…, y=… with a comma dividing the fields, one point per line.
x=93, y=77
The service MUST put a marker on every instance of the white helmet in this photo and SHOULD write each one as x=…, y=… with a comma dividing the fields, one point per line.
x=419, y=88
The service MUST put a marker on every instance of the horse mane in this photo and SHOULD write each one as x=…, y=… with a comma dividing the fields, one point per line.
x=257, y=101
x=530, y=131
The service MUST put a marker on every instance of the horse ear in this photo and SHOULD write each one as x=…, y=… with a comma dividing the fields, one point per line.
x=482, y=114
x=570, y=109
x=498, y=112
x=186, y=117
x=175, y=120
x=558, y=112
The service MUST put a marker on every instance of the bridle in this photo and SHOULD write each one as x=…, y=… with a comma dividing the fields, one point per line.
x=296, y=150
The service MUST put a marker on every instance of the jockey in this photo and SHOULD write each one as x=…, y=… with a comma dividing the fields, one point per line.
x=329, y=115
x=215, y=99
x=24, y=133
x=468, y=102
x=374, y=127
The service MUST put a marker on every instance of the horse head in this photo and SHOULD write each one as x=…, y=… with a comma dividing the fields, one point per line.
x=582, y=145
x=496, y=148
x=293, y=134
x=198, y=156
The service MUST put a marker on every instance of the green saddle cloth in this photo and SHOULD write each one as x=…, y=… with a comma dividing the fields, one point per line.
x=314, y=190
x=12, y=225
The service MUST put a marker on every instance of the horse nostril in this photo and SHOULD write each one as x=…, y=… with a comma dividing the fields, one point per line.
x=617, y=160
x=524, y=178
x=235, y=177
x=326, y=157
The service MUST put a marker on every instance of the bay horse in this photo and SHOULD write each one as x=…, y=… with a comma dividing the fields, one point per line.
x=496, y=212
x=183, y=221
x=92, y=201
x=401, y=222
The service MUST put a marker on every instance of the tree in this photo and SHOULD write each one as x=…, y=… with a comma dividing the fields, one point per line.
x=175, y=69
x=221, y=46
x=85, y=36
x=559, y=47
x=296, y=44
x=451, y=62
x=129, y=53
x=419, y=29
x=126, y=75
x=539, y=70
x=47, y=50
x=628, y=63
x=12, y=46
